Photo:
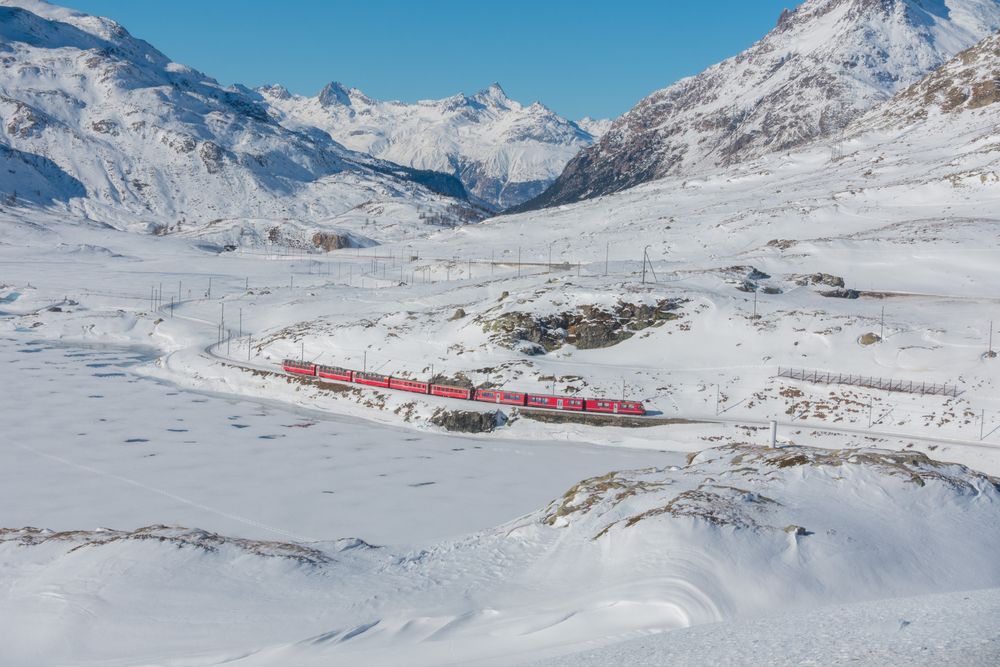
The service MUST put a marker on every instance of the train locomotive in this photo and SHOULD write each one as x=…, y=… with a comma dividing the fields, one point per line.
x=496, y=396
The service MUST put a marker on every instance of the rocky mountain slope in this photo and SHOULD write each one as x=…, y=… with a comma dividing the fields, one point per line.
x=821, y=67
x=503, y=152
x=100, y=122
x=969, y=82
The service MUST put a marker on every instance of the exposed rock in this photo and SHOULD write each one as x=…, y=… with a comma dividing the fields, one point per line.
x=211, y=155
x=817, y=279
x=328, y=241
x=467, y=421
x=589, y=327
x=869, y=339
x=459, y=314
x=179, y=537
x=841, y=293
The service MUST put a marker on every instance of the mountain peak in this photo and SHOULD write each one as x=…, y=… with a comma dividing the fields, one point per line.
x=824, y=65
x=493, y=95
x=335, y=93
x=276, y=91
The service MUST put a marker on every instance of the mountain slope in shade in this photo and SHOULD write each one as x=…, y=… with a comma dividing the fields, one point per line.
x=822, y=66
x=503, y=152
x=107, y=125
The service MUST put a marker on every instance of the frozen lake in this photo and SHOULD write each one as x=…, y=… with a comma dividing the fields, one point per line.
x=119, y=450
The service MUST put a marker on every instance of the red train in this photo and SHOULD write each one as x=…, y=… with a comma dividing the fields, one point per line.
x=499, y=396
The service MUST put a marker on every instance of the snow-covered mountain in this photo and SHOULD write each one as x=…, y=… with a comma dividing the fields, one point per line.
x=96, y=120
x=968, y=82
x=822, y=66
x=504, y=152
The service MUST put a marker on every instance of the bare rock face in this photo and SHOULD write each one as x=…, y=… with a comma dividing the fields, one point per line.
x=818, y=279
x=822, y=66
x=969, y=81
x=328, y=241
x=588, y=327
x=466, y=421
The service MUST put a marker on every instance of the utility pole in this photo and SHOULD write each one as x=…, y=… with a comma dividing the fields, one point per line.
x=982, y=423
x=171, y=307
x=364, y=364
x=623, y=389
x=550, y=255
x=881, y=331
x=717, y=400
x=755, y=304
x=303, y=353
x=249, y=346
x=989, y=354
x=644, y=258
x=241, y=323
x=518, y=261
x=607, y=252
x=209, y=287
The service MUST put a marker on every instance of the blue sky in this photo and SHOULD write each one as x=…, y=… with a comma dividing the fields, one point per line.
x=579, y=58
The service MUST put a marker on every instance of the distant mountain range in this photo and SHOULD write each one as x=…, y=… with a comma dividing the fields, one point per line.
x=503, y=152
x=99, y=121
x=823, y=65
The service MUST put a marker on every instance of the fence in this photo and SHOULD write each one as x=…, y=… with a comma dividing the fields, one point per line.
x=871, y=382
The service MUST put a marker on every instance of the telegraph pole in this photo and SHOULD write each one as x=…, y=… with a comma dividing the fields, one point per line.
x=607, y=251
x=644, y=258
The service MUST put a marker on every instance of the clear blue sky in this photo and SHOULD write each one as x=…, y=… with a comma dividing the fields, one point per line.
x=583, y=57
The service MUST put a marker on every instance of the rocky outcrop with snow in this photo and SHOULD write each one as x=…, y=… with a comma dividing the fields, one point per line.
x=969, y=82
x=821, y=67
x=503, y=152
x=98, y=121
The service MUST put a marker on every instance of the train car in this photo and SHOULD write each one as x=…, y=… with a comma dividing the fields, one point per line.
x=298, y=367
x=554, y=402
x=335, y=373
x=613, y=407
x=409, y=385
x=372, y=379
x=500, y=397
x=451, y=392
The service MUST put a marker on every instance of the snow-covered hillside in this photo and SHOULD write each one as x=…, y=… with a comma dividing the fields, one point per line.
x=736, y=532
x=822, y=66
x=504, y=152
x=107, y=127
